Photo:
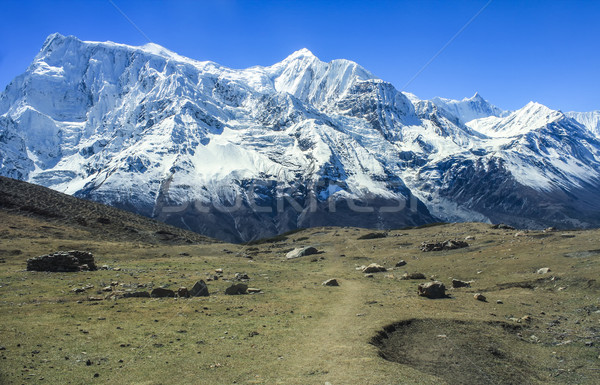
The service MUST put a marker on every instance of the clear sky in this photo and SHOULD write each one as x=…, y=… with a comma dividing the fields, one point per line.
x=513, y=52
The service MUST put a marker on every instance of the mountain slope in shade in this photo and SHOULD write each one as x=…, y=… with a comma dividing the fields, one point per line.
x=241, y=154
x=90, y=219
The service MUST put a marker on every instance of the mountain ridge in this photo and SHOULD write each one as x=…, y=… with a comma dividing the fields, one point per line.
x=241, y=154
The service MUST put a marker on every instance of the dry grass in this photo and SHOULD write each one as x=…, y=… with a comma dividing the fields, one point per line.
x=298, y=331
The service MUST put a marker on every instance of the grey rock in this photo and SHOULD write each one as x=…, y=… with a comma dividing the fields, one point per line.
x=301, y=252
x=183, y=292
x=401, y=263
x=199, y=290
x=413, y=276
x=432, y=290
x=135, y=294
x=331, y=282
x=457, y=283
x=373, y=268
x=63, y=261
x=480, y=297
x=161, y=292
x=441, y=246
x=238, y=288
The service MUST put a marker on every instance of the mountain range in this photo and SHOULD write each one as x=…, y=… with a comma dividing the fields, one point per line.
x=242, y=154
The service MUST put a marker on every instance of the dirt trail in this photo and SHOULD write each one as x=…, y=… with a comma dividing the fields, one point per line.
x=335, y=345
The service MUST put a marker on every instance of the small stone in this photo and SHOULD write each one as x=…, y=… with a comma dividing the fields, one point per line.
x=543, y=270
x=369, y=276
x=107, y=288
x=499, y=302
x=219, y=271
x=480, y=297
x=331, y=282
x=413, y=276
x=401, y=263
x=457, y=283
x=526, y=319
x=254, y=290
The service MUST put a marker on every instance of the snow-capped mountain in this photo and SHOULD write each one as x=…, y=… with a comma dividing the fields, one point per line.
x=469, y=109
x=591, y=120
x=239, y=154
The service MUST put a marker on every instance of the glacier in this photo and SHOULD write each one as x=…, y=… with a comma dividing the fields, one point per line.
x=239, y=154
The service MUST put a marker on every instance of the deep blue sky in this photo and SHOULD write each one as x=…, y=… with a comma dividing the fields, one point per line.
x=513, y=52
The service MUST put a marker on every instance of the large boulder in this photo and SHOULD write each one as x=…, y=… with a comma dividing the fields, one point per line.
x=301, y=252
x=183, y=292
x=161, y=292
x=434, y=289
x=238, y=288
x=446, y=245
x=134, y=294
x=199, y=290
x=63, y=261
x=373, y=268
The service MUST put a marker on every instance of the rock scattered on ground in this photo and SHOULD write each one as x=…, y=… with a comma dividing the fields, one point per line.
x=543, y=270
x=401, y=263
x=63, y=261
x=331, y=282
x=433, y=290
x=199, y=290
x=183, y=292
x=238, y=288
x=241, y=277
x=254, y=290
x=301, y=252
x=161, y=292
x=133, y=294
x=480, y=297
x=457, y=283
x=413, y=276
x=440, y=246
x=372, y=236
x=373, y=268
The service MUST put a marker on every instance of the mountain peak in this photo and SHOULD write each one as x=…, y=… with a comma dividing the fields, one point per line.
x=301, y=53
x=477, y=97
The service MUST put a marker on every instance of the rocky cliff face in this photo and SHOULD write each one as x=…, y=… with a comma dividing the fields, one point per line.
x=241, y=154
